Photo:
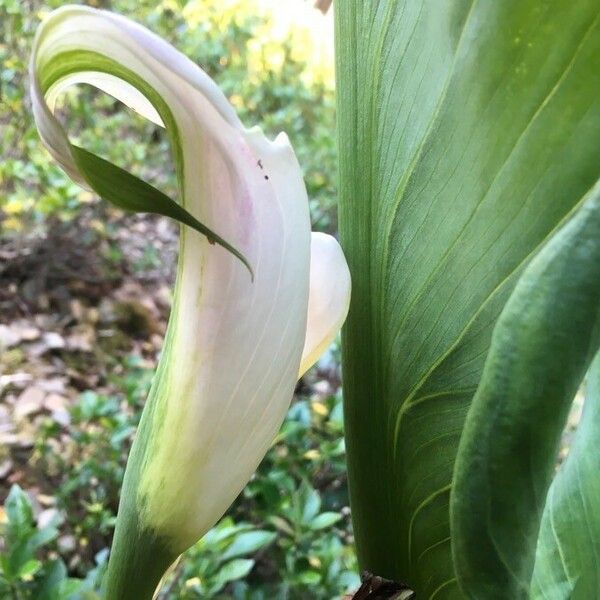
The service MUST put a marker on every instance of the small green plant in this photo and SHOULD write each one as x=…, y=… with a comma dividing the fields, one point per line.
x=88, y=464
x=29, y=566
x=21, y=570
x=224, y=555
x=315, y=559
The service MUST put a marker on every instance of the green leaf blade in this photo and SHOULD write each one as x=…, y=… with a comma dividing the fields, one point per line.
x=324, y=520
x=542, y=344
x=468, y=134
x=248, y=543
x=233, y=570
x=567, y=562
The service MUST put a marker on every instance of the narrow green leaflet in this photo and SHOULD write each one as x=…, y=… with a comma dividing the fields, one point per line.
x=541, y=347
x=468, y=132
x=130, y=193
x=567, y=563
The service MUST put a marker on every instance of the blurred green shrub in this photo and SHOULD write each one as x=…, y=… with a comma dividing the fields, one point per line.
x=23, y=576
x=271, y=75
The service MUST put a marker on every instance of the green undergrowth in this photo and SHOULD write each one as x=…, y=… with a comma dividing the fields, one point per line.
x=286, y=536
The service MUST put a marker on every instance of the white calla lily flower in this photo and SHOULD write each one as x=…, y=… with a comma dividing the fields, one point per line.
x=236, y=344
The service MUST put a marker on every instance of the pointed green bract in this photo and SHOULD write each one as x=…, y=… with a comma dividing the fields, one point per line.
x=541, y=347
x=130, y=193
x=468, y=132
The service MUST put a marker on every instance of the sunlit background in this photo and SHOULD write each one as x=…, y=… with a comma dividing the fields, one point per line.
x=85, y=293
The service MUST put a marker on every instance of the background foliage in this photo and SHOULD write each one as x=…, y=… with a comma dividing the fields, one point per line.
x=82, y=310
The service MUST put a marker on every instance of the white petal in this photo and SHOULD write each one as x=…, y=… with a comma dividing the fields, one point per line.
x=234, y=346
x=329, y=297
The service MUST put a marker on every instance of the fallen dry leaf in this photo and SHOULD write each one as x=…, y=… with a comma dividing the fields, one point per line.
x=6, y=466
x=55, y=402
x=30, y=401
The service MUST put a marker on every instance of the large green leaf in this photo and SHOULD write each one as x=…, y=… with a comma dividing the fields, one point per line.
x=567, y=564
x=468, y=132
x=542, y=344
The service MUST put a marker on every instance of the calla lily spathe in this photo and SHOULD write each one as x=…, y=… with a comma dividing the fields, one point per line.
x=235, y=345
